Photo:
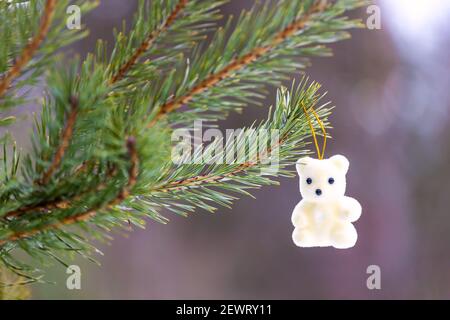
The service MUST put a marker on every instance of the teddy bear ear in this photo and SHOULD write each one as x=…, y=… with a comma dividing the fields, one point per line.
x=341, y=163
x=302, y=163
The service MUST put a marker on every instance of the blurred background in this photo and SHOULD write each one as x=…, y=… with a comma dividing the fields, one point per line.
x=391, y=88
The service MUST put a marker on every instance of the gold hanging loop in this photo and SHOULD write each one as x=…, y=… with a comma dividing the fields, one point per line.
x=320, y=154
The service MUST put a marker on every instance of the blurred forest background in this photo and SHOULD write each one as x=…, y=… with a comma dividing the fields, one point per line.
x=391, y=89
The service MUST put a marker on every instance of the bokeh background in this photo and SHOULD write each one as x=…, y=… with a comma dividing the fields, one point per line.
x=391, y=88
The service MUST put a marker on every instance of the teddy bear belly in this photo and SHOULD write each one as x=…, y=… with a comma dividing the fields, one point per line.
x=321, y=226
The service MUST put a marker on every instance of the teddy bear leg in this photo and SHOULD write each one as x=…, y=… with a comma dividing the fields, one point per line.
x=303, y=238
x=344, y=236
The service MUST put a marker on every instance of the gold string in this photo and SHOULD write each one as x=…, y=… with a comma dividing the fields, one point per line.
x=322, y=127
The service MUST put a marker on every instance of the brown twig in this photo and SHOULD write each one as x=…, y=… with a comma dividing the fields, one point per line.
x=45, y=207
x=31, y=47
x=146, y=44
x=66, y=137
x=198, y=180
x=83, y=216
x=239, y=63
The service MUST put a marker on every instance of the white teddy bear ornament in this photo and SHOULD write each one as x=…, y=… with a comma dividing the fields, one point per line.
x=324, y=216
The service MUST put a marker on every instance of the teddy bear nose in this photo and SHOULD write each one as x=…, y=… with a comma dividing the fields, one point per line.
x=318, y=192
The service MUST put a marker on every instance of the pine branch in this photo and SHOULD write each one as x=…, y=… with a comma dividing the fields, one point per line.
x=187, y=186
x=83, y=216
x=120, y=74
x=50, y=206
x=213, y=178
x=65, y=142
x=286, y=116
x=30, y=49
x=145, y=45
x=31, y=33
x=234, y=67
x=90, y=182
x=162, y=31
x=239, y=63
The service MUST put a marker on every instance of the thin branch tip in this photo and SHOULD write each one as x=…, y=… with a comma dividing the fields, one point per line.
x=30, y=49
x=66, y=138
x=148, y=42
x=134, y=163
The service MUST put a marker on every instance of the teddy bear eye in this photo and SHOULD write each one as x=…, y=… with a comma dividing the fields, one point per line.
x=331, y=180
x=309, y=181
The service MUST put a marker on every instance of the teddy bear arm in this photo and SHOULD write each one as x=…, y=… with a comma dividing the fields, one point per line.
x=299, y=215
x=351, y=209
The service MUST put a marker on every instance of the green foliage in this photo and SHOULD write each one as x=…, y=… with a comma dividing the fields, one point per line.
x=169, y=28
x=252, y=165
x=233, y=44
x=19, y=20
x=101, y=147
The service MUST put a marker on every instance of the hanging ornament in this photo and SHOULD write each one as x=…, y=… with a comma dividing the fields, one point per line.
x=324, y=216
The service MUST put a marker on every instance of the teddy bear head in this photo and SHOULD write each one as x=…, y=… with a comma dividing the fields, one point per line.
x=322, y=180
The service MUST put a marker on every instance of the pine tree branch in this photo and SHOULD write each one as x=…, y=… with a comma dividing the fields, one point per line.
x=64, y=143
x=46, y=207
x=198, y=180
x=123, y=70
x=239, y=63
x=213, y=178
x=188, y=185
x=76, y=145
x=83, y=216
x=146, y=44
x=29, y=51
x=58, y=204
